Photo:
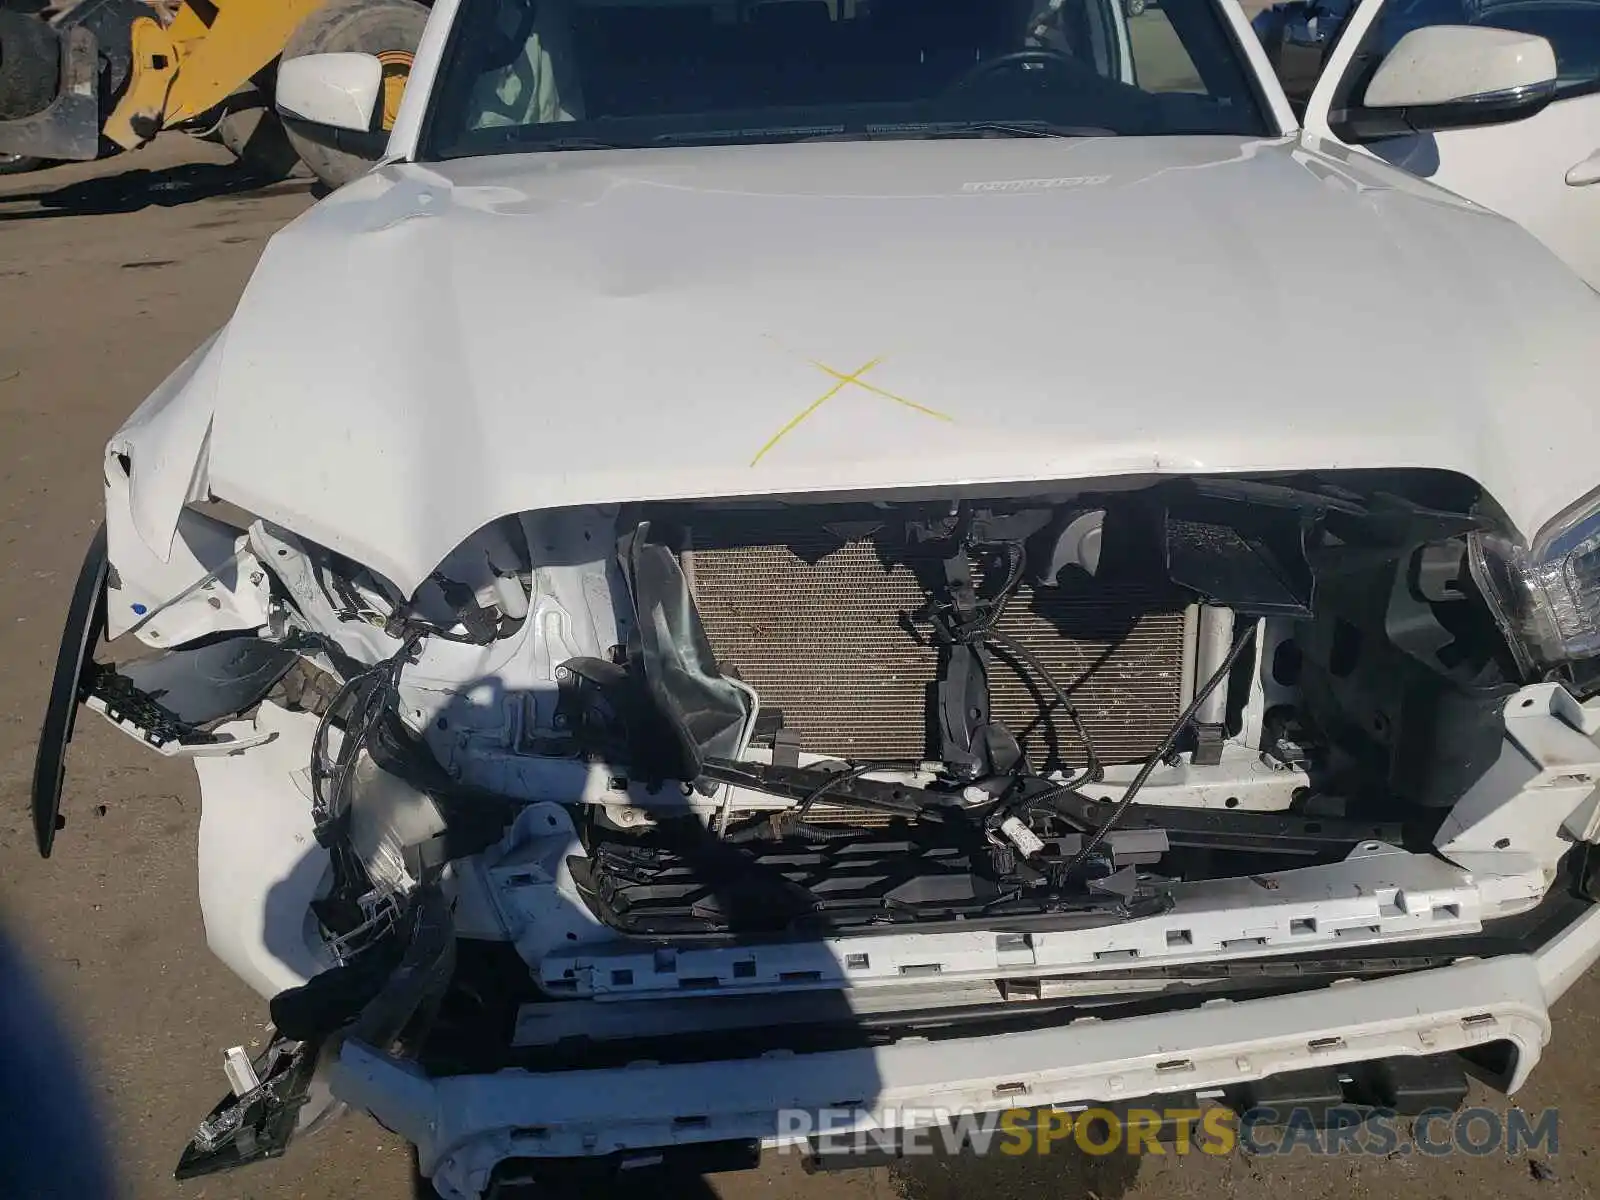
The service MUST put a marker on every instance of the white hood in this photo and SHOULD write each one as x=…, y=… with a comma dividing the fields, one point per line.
x=439, y=345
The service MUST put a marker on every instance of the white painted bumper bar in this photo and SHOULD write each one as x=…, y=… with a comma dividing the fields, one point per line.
x=463, y=1125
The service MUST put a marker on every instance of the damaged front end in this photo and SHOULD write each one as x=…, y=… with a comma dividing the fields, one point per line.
x=864, y=802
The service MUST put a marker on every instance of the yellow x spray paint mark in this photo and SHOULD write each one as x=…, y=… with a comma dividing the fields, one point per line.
x=843, y=381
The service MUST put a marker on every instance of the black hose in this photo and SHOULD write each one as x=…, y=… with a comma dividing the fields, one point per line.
x=1050, y=797
x=987, y=630
x=1240, y=641
x=1093, y=769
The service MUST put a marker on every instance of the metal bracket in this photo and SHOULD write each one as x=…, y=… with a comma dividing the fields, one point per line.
x=1208, y=742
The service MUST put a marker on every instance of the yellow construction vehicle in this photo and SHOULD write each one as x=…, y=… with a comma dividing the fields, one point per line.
x=96, y=77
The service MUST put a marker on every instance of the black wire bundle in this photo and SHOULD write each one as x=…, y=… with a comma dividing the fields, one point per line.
x=983, y=629
x=358, y=707
x=986, y=629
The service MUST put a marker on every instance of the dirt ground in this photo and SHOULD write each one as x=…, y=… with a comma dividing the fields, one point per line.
x=109, y=276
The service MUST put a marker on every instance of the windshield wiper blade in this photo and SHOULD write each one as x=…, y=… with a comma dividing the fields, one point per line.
x=577, y=143
x=871, y=132
x=769, y=133
x=1021, y=129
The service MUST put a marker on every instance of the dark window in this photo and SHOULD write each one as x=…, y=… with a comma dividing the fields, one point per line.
x=580, y=74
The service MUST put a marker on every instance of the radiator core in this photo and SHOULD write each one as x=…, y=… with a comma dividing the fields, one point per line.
x=823, y=629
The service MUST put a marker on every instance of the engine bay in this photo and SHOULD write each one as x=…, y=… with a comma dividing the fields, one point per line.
x=786, y=719
x=948, y=696
x=932, y=757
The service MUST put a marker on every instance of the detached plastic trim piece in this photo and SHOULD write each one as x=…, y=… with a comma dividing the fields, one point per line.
x=86, y=621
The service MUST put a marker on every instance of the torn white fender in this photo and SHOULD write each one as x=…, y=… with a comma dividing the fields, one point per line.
x=164, y=445
x=176, y=574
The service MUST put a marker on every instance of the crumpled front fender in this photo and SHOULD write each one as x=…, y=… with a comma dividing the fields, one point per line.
x=160, y=550
x=161, y=450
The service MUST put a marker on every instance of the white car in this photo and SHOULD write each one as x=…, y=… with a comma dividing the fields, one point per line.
x=771, y=561
x=1541, y=171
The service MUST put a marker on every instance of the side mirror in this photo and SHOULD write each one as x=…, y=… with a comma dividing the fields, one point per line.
x=331, y=99
x=1451, y=77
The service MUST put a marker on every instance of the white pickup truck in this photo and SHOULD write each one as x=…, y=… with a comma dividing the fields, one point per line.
x=1542, y=172
x=774, y=558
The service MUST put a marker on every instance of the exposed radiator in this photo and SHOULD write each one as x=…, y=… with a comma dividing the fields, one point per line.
x=823, y=632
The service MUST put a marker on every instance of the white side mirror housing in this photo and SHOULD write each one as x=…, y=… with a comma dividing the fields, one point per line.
x=339, y=91
x=1460, y=64
x=1451, y=77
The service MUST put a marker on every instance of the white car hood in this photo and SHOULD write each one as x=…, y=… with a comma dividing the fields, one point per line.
x=438, y=345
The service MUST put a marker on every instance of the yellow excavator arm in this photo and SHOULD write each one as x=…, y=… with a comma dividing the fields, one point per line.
x=189, y=67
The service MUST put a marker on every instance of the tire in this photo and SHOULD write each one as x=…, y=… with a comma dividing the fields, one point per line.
x=30, y=64
x=389, y=29
x=259, y=141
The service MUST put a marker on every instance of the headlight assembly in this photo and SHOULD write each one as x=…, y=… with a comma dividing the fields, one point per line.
x=1546, y=596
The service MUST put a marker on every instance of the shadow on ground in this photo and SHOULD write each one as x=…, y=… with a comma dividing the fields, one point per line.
x=131, y=191
x=1065, y=1172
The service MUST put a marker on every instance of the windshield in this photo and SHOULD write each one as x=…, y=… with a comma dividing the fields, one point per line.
x=523, y=75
